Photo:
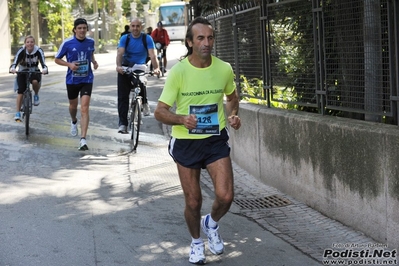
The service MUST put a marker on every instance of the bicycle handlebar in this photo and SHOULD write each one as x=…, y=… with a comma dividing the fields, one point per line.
x=136, y=72
x=28, y=71
x=158, y=45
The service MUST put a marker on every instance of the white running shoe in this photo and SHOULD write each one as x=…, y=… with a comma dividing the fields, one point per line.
x=74, y=129
x=83, y=145
x=122, y=129
x=197, y=254
x=215, y=241
x=146, y=108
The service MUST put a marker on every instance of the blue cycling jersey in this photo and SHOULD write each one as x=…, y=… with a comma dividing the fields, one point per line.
x=79, y=52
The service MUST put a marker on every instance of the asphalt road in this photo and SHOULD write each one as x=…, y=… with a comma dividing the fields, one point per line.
x=106, y=206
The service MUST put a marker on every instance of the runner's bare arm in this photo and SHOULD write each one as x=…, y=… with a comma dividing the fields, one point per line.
x=163, y=114
x=232, y=106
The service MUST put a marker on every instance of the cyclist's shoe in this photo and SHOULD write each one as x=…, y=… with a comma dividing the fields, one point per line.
x=215, y=241
x=146, y=108
x=197, y=254
x=36, y=100
x=122, y=129
x=74, y=128
x=18, y=117
x=83, y=145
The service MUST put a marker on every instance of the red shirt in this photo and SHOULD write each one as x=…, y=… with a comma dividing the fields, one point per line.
x=160, y=36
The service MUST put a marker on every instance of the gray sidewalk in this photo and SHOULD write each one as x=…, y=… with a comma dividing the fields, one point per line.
x=294, y=222
x=108, y=206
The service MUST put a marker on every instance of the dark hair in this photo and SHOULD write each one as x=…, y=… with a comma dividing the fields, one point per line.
x=79, y=21
x=127, y=27
x=149, y=30
x=189, y=33
x=159, y=24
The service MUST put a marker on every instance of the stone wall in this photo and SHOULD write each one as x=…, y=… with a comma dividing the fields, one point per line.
x=346, y=169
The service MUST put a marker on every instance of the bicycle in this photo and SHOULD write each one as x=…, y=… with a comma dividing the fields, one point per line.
x=27, y=99
x=160, y=58
x=138, y=81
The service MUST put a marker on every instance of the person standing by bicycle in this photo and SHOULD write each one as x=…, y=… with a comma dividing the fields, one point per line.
x=132, y=51
x=161, y=35
x=79, y=53
x=28, y=58
x=197, y=86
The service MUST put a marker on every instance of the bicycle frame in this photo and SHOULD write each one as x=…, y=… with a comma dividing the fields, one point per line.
x=138, y=80
x=160, y=58
x=27, y=99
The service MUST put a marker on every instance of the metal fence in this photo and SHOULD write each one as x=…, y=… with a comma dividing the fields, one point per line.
x=332, y=57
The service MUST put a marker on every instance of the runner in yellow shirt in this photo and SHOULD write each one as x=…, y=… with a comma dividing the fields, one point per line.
x=197, y=85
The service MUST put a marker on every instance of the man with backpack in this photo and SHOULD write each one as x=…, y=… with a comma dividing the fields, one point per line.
x=133, y=49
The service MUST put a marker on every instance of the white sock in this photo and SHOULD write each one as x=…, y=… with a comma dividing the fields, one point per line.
x=196, y=241
x=212, y=223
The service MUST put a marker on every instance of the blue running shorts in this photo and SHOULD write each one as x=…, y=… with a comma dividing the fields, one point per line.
x=198, y=153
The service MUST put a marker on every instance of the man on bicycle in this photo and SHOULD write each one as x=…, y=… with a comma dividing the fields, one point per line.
x=161, y=36
x=131, y=51
x=28, y=58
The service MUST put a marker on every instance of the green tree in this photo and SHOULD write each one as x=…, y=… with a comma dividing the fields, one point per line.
x=56, y=20
x=18, y=9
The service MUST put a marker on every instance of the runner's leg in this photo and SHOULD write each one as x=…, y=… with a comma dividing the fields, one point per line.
x=189, y=179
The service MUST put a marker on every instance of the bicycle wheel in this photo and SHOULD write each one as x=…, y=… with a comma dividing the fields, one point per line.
x=27, y=110
x=135, y=121
x=160, y=65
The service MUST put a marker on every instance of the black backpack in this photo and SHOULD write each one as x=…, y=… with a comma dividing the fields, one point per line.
x=143, y=38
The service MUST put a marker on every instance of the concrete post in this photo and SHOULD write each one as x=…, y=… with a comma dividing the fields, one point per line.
x=151, y=20
x=133, y=10
x=5, y=44
x=95, y=11
x=119, y=9
x=145, y=8
x=34, y=15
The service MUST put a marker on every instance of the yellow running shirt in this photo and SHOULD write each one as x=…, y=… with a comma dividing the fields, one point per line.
x=199, y=91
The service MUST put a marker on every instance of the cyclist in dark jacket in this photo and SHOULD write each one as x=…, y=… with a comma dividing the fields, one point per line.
x=28, y=57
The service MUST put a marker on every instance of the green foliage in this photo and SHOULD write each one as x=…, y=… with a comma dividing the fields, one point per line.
x=254, y=88
x=19, y=9
x=56, y=20
x=52, y=15
x=58, y=17
x=120, y=26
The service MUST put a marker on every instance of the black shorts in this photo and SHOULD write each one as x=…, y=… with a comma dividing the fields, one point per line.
x=74, y=90
x=21, y=80
x=198, y=153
